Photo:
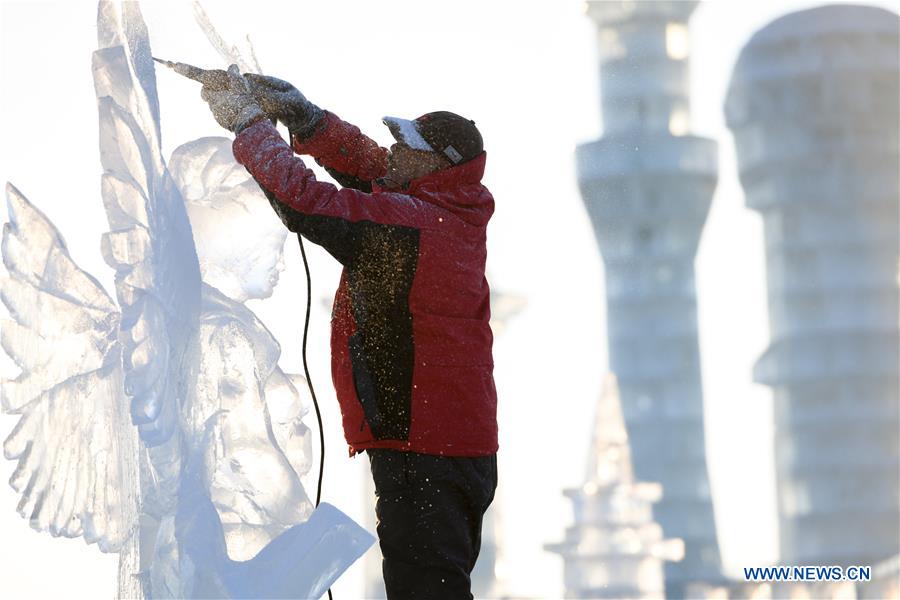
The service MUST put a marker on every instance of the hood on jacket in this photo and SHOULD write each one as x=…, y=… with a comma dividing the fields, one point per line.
x=457, y=189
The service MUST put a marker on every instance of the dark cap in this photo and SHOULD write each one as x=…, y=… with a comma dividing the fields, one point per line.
x=442, y=132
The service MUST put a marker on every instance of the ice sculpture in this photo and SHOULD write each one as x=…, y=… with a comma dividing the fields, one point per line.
x=207, y=499
x=63, y=335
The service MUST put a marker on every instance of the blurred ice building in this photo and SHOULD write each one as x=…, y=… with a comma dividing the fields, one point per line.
x=647, y=185
x=614, y=549
x=813, y=106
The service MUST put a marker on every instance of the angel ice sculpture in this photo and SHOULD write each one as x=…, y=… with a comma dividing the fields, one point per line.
x=207, y=499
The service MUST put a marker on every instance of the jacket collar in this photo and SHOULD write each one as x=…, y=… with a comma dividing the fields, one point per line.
x=470, y=171
x=457, y=189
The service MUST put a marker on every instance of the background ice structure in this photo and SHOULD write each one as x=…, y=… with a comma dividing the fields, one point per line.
x=203, y=497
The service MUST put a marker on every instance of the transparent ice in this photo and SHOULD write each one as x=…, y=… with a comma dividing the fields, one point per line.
x=203, y=497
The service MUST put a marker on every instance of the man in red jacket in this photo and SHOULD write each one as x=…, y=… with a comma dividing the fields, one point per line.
x=410, y=340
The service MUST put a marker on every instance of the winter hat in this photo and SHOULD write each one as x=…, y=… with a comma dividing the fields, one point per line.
x=442, y=132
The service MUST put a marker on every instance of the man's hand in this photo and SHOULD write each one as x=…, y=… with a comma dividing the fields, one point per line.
x=233, y=105
x=281, y=100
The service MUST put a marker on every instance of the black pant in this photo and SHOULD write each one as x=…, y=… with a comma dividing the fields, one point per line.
x=429, y=511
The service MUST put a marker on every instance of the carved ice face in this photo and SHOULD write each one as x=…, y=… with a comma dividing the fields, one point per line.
x=238, y=237
x=240, y=244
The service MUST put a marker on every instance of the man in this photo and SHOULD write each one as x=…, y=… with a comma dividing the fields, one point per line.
x=410, y=340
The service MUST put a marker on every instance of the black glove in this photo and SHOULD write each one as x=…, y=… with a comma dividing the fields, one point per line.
x=233, y=106
x=281, y=100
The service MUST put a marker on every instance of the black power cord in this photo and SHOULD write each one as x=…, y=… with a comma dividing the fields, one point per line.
x=306, y=372
x=309, y=379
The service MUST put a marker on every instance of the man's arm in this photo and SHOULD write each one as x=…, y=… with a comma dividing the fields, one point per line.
x=348, y=181
x=351, y=157
x=334, y=234
x=328, y=216
x=304, y=205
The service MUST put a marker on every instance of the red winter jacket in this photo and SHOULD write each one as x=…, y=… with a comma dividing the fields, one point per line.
x=410, y=341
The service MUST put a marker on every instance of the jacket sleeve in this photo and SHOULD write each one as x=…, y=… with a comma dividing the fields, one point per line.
x=341, y=147
x=333, y=234
x=318, y=210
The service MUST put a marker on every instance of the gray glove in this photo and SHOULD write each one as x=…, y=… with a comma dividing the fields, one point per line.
x=233, y=105
x=281, y=100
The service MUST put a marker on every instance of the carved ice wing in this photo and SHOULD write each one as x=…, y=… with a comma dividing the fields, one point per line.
x=132, y=84
x=150, y=244
x=74, y=441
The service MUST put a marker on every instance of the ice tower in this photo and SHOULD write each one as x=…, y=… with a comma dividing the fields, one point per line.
x=647, y=185
x=813, y=105
x=614, y=549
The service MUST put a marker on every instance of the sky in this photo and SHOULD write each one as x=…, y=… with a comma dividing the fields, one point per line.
x=526, y=72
